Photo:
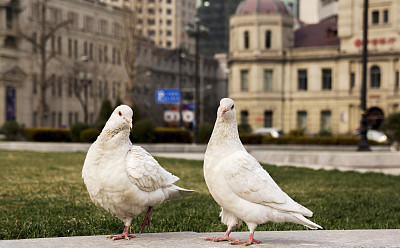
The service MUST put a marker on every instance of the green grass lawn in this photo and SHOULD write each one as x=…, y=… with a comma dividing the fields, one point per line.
x=43, y=195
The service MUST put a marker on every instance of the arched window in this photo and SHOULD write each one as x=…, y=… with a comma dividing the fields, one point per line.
x=268, y=39
x=246, y=40
x=375, y=74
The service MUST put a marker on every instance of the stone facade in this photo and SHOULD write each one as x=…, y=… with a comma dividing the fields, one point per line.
x=311, y=78
x=85, y=49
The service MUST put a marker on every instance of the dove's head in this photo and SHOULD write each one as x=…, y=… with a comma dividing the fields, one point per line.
x=122, y=116
x=226, y=109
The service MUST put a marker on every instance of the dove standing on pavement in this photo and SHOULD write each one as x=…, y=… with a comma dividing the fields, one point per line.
x=125, y=179
x=238, y=183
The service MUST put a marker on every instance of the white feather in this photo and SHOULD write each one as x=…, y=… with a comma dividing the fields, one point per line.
x=124, y=179
x=238, y=183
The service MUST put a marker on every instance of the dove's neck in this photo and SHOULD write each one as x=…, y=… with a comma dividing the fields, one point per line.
x=225, y=138
x=111, y=138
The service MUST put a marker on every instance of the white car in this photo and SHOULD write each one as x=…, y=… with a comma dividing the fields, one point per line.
x=374, y=135
x=275, y=133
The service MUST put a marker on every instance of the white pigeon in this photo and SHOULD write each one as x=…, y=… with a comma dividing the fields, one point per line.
x=238, y=183
x=125, y=179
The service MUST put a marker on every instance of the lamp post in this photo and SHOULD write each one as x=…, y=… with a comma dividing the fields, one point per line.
x=363, y=144
x=196, y=32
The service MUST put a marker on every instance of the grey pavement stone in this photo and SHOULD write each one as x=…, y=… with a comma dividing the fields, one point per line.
x=273, y=239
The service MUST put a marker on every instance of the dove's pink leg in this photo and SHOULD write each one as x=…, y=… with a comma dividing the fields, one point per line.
x=225, y=237
x=250, y=241
x=146, y=220
x=124, y=235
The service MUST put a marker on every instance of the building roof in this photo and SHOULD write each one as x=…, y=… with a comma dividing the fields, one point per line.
x=317, y=35
x=262, y=6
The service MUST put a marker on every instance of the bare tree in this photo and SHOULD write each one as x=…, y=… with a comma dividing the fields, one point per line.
x=46, y=30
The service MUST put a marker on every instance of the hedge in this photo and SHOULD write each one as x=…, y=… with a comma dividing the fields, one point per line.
x=172, y=135
x=43, y=134
x=89, y=135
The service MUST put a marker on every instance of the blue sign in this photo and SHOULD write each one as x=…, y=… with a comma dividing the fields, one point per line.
x=168, y=96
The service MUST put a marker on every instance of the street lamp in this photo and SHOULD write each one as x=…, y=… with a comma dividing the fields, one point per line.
x=363, y=144
x=196, y=31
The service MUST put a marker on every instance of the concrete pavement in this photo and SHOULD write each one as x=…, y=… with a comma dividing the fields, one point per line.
x=273, y=239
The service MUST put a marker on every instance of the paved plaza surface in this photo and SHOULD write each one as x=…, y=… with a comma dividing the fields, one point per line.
x=273, y=239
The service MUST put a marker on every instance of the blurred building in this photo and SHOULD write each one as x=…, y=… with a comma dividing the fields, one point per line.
x=84, y=48
x=314, y=11
x=310, y=78
x=162, y=21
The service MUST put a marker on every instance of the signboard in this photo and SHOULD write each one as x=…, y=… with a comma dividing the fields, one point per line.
x=173, y=116
x=168, y=96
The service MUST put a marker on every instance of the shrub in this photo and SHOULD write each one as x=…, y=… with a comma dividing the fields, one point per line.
x=251, y=138
x=76, y=130
x=296, y=132
x=391, y=127
x=325, y=133
x=89, y=135
x=244, y=128
x=205, y=131
x=11, y=129
x=172, y=135
x=143, y=131
x=47, y=134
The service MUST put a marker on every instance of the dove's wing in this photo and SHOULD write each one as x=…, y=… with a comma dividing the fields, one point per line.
x=145, y=172
x=251, y=182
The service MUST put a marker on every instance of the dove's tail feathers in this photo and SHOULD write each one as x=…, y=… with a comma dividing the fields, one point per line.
x=300, y=219
x=176, y=192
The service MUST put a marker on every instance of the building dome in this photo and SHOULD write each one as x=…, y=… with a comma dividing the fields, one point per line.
x=261, y=6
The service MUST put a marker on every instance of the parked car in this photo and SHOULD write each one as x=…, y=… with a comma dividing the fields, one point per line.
x=274, y=132
x=374, y=135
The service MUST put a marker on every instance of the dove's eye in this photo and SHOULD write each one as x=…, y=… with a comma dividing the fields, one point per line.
x=232, y=107
x=119, y=113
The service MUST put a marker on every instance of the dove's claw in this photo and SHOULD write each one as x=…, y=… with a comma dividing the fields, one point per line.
x=147, y=220
x=124, y=235
x=250, y=241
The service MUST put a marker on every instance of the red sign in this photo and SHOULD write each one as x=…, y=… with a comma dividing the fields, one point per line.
x=376, y=41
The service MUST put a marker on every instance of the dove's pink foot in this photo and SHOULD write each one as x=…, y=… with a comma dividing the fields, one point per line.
x=250, y=241
x=225, y=237
x=146, y=221
x=124, y=235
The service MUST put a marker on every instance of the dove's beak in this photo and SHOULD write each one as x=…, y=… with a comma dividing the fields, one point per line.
x=129, y=123
x=223, y=111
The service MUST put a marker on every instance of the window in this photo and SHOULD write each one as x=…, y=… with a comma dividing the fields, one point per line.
x=267, y=80
x=69, y=48
x=53, y=119
x=103, y=26
x=375, y=74
x=246, y=40
x=91, y=51
x=268, y=39
x=169, y=33
x=375, y=17
x=85, y=48
x=117, y=30
x=59, y=119
x=150, y=21
x=326, y=79
x=396, y=83
x=88, y=23
x=53, y=85
x=169, y=11
x=302, y=120
x=244, y=80
x=385, y=16
x=150, y=11
x=53, y=44
x=114, y=53
x=268, y=119
x=325, y=120
x=244, y=117
x=75, y=49
x=352, y=80
x=59, y=45
x=302, y=79
x=100, y=55
x=34, y=48
x=70, y=119
x=74, y=19
x=34, y=83
x=105, y=54
x=59, y=86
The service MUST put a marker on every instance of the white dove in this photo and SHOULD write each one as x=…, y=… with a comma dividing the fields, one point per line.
x=238, y=183
x=125, y=179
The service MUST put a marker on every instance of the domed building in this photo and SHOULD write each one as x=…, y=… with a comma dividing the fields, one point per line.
x=310, y=78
